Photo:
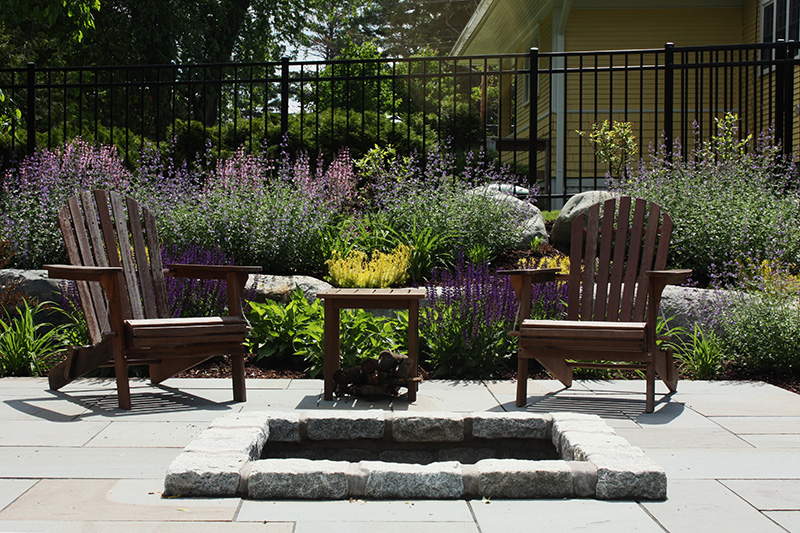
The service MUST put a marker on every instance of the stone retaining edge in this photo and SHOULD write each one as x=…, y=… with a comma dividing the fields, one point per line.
x=596, y=463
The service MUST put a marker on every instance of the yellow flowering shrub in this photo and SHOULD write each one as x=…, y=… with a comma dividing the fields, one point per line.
x=379, y=271
x=771, y=278
x=554, y=261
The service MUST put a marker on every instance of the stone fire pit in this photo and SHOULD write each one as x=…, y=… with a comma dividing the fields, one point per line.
x=275, y=455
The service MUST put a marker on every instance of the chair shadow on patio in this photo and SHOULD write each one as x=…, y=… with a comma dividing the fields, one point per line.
x=620, y=406
x=154, y=400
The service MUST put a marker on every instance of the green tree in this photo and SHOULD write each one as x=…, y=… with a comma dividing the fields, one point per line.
x=415, y=25
x=193, y=31
x=37, y=30
x=357, y=88
x=336, y=25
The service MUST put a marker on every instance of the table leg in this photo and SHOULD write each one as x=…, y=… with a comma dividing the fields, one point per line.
x=413, y=344
x=330, y=361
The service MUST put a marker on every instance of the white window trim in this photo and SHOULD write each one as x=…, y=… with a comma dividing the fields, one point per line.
x=785, y=34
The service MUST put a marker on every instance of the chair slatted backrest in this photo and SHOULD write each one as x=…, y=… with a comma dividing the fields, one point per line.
x=609, y=256
x=102, y=228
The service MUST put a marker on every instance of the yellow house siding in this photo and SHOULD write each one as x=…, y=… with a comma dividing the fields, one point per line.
x=622, y=29
x=594, y=97
x=751, y=17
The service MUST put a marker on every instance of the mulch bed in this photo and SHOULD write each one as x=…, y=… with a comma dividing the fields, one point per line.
x=220, y=368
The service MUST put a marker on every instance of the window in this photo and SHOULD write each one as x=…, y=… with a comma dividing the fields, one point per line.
x=780, y=20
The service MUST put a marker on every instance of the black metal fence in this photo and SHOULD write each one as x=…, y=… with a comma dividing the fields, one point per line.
x=526, y=118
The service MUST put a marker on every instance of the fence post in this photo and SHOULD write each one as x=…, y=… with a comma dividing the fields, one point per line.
x=284, y=97
x=533, y=99
x=669, y=95
x=784, y=105
x=780, y=91
x=30, y=111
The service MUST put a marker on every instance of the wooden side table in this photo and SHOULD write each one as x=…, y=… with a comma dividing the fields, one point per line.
x=338, y=299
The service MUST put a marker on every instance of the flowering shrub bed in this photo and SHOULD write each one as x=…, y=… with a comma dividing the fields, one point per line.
x=279, y=214
x=736, y=206
x=734, y=200
x=730, y=205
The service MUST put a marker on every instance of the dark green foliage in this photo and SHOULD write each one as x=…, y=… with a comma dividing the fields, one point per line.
x=27, y=348
x=296, y=330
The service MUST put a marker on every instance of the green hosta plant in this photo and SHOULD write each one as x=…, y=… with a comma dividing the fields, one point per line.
x=275, y=325
x=27, y=348
x=297, y=330
x=362, y=335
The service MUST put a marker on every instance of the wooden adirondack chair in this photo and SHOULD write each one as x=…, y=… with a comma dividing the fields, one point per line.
x=615, y=282
x=114, y=251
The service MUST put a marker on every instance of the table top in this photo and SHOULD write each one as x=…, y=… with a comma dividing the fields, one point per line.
x=406, y=293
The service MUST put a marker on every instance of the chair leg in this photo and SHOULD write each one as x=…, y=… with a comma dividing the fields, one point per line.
x=522, y=381
x=666, y=369
x=650, y=401
x=123, y=385
x=237, y=372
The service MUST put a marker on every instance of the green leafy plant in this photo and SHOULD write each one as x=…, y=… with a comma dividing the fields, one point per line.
x=76, y=330
x=362, y=335
x=479, y=253
x=537, y=243
x=550, y=216
x=296, y=330
x=428, y=250
x=336, y=238
x=274, y=326
x=759, y=324
x=28, y=348
x=700, y=355
x=614, y=143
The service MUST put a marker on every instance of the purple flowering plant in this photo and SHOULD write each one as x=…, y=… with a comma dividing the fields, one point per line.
x=33, y=192
x=732, y=201
x=735, y=203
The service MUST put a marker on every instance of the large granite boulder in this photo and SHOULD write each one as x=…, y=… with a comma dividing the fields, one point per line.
x=495, y=192
x=532, y=229
x=36, y=287
x=580, y=203
x=688, y=306
x=32, y=284
x=533, y=226
x=262, y=287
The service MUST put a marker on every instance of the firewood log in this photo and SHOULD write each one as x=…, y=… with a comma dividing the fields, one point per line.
x=374, y=390
x=388, y=361
x=406, y=368
x=405, y=381
x=347, y=376
x=368, y=366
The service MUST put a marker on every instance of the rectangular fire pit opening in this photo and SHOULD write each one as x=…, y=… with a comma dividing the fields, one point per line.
x=388, y=451
x=377, y=454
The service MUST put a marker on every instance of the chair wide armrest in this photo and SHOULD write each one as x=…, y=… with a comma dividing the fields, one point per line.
x=670, y=277
x=208, y=271
x=80, y=273
x=539, y=275
x=658, y=279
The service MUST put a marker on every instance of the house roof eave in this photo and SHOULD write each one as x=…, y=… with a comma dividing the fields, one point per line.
x=516, y=18
x=489, y=12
